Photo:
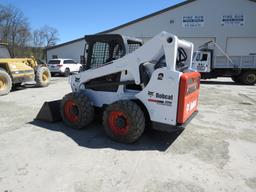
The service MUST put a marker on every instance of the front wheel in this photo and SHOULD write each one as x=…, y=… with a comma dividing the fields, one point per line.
x=76, y=110
x=43, y=76
x=124, y=121
x=5, y=83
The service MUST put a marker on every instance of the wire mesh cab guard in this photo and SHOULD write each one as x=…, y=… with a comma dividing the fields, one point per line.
x=103, y=49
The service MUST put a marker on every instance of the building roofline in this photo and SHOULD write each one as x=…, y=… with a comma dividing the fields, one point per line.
x=150, y=15
x=66, y=43
x=129, y=23
x=132, y=22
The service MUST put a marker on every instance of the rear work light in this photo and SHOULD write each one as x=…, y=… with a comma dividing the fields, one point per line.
x=188, y=96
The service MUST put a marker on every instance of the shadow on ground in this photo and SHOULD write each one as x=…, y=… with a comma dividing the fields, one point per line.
x=30, y=85
x=94, y=137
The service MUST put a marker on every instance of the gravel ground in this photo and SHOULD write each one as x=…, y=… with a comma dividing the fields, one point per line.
x=216, y=152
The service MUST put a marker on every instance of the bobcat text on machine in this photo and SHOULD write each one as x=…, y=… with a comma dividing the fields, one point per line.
x=134, y=85
x=242, y=69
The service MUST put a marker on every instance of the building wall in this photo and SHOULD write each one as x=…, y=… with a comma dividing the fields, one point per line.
x=234, y=39
x=72, y=51
x=212, y=27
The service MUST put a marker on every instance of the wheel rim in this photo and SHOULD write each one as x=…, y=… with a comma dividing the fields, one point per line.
x=45, y=76
x=71, y=111
x=3, y=83
x=251, y=78
x=118, y=123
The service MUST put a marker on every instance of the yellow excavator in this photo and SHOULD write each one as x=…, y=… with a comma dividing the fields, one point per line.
x=15, y=71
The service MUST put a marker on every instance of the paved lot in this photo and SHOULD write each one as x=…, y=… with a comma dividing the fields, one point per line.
x=216, y=152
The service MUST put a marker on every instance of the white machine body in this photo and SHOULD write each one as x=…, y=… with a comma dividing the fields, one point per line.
x=160, y=95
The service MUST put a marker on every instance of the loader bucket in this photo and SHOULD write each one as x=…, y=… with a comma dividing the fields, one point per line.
x=50, y=112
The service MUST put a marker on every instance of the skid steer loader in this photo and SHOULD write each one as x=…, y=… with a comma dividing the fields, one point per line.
x=15, y=71
x=134, y=85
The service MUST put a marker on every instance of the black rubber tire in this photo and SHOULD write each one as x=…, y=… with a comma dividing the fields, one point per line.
x=42, y=77
x=135, y=118
x=248, y=78
x=53, y=74
x=84, y=107
x=6, y=82
x=67, y=72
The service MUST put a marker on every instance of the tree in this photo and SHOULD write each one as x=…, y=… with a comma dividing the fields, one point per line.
x=43, y=38
x=38, y=43
x=14, y=27
x=15, y=30
x=51, y=36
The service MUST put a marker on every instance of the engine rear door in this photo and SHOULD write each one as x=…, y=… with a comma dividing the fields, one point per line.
x=188, y=96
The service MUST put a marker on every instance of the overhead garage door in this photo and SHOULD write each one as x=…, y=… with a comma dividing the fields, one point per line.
x=199, y=41
x=241, y=46
x=144, y=39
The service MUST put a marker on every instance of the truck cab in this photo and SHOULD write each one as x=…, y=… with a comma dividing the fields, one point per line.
x=202, y=61
x=241, y=69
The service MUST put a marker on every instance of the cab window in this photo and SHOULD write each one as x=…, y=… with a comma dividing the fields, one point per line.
x=54, y=62
x=204, y=57
x=69, y=62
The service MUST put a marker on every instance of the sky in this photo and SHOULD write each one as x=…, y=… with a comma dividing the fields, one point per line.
x=76, y=18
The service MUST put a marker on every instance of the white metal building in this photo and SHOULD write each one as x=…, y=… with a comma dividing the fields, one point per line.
x=230, y=23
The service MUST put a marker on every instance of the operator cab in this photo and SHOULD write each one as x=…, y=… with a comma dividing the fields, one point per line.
x=4, y=51
x=103, y=49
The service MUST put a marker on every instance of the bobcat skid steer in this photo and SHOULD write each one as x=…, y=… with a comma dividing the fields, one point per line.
x=134, y=85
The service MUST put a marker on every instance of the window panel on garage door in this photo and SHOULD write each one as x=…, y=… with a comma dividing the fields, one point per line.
x=241, y=46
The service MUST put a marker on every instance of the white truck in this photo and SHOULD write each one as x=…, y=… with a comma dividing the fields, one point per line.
x=242, y=69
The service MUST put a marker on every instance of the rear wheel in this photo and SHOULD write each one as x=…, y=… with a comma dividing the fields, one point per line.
x=43, y=76
x=5, y=83
x=248, y=78
x=124, y=121
x=76, y=110
x=80, y=69
x=67, y=72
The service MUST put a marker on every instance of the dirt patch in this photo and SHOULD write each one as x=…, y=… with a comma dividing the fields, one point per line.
x=248, y=135
x=210, y=147
x=10, y=111
x=171, y=186
x=251, y=182
x=87, y=186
